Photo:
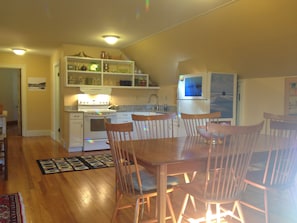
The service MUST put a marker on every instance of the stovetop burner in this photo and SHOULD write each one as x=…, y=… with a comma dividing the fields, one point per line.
x=96, y=106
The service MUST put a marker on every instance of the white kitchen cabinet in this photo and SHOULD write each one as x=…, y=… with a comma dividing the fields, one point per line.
x=90, y=72
x=74, y=131
x=124, y=117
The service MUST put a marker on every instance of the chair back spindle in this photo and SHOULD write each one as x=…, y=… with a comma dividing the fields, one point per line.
x=194, y=121
x=154, y=126
x=228, y=161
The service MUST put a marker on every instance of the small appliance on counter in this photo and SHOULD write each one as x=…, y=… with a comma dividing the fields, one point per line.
x=96, y=110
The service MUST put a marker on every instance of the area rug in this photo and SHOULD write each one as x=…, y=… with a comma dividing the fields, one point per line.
x=76, y=163
x=12, y=208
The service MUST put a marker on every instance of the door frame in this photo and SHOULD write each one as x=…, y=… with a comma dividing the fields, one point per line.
x=23, y=92
x=56, y=122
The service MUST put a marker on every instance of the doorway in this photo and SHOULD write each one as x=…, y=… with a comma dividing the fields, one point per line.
x=10, y=97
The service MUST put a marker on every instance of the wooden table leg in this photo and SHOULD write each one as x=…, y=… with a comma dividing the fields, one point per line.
x=161, y=190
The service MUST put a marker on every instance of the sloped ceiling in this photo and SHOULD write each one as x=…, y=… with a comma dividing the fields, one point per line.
x=250, y=38
x=43, y=25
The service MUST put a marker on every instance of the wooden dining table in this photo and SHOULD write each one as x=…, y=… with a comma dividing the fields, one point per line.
x=171, y=156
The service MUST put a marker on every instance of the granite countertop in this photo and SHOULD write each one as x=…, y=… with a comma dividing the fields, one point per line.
x=146, y=108
x=132, y=108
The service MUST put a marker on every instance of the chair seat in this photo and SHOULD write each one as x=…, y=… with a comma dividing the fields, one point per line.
x=149, y=181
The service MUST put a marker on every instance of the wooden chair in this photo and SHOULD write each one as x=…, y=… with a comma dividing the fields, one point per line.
x=226, y=168
x=136, y=185
x=280, y=166
x=154, y=126
x=193, y=121
x=193, y=124
x=259, y=163
x=3, y=147
x=270, y=116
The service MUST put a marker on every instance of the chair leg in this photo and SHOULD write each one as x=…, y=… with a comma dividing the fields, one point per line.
x=182, y=211
x=187, y=180
x=218, y=210
x=170, y=208
x=194, y=175
x=237, y=207
x=136, y=212
x=266, y=206
x=148, y=202
x=116, y=208
x=208, y=216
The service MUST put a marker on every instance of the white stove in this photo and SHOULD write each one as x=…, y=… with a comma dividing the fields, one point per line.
x=96, y=112
x=97, y=106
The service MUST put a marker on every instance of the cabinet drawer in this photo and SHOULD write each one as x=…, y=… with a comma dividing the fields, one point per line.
x=76, y=115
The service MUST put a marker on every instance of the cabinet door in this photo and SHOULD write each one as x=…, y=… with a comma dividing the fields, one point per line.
x=123, y=117
x=76, y=133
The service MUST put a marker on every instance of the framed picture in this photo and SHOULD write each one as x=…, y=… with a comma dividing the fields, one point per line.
x=36, y=83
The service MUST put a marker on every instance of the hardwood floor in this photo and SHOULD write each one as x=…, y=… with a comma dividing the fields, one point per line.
x=84, y=196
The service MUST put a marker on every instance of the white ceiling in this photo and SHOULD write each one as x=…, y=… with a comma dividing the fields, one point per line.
x=44, y=25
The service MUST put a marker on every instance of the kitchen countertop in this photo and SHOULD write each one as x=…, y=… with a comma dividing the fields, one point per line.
x=146, y=108
x=132, y=108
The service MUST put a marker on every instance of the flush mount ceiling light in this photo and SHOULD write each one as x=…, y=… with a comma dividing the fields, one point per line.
x=19, y=51
x=111, y=39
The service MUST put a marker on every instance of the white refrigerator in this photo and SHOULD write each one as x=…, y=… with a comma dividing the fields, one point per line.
x=206, y=93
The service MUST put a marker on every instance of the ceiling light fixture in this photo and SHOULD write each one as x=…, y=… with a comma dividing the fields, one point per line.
x=111, y=39
x=19, y=51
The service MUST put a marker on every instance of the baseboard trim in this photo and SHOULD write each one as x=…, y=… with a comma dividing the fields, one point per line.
x=38, y=133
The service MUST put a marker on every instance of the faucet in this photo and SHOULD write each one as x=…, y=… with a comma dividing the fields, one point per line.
x=156, y=107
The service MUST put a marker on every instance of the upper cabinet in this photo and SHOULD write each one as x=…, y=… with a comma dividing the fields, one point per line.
x=85, y=71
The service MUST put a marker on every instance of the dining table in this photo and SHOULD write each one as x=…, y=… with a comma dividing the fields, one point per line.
x=172, y=156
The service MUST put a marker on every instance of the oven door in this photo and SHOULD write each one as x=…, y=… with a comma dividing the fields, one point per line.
x=95, y=137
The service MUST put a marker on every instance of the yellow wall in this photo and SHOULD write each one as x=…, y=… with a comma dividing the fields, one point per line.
x=37, y=103
x=257, y=94
x=260, y=95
